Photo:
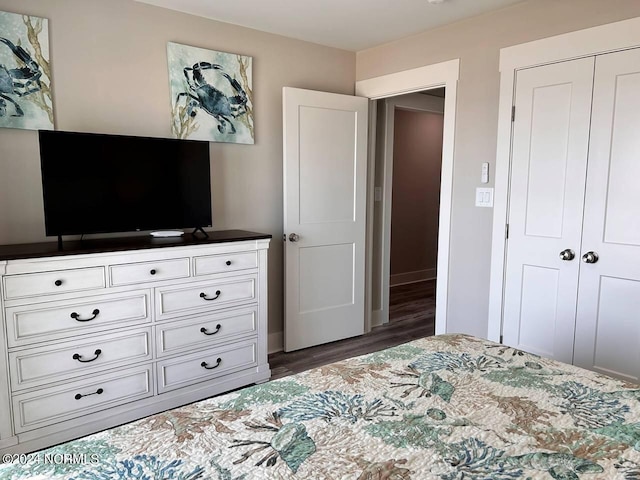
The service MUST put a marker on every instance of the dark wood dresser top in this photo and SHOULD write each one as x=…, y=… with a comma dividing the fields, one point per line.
x=104, y=245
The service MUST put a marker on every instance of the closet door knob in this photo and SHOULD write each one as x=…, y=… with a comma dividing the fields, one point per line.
x=567, y=255
x=294, y=237
x=590, y=257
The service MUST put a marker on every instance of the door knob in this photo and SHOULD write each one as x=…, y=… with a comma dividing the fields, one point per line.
x=590, y=257
x=567, y=255
x=294, y=237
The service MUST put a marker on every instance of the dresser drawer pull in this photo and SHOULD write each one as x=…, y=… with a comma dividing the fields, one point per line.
x=57, y=283
x=228, y=262
x=153, y=271
x=204, y=295
x=204, y=330
x=97, y=392
x=218, y=362
x=77, y=356
x=75, y=316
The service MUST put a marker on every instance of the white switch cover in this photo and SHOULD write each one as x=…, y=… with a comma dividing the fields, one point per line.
x=484, y=197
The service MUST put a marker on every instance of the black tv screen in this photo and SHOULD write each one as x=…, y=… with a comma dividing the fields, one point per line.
x=96, y=183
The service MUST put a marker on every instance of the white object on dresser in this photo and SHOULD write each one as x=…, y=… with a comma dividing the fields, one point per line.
x=93, y=340
x=167, y=233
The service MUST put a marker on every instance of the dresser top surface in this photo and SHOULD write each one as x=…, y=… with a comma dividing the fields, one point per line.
x=105, y=245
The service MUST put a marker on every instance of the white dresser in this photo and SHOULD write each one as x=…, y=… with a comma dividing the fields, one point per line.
x=111, y=331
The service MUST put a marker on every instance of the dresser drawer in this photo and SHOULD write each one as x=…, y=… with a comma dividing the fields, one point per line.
x=205, y=365
x=128, y=274
x=28, y=324
x=204, y=296
x=41, y=365
x=56, y=404
x=49, y=283
x=221, y=263
x=205, y=331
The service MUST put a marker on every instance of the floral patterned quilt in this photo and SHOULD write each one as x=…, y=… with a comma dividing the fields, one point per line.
x=447, y=407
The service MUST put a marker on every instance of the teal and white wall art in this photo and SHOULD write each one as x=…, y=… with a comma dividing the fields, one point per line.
x=25, y=73
x=211, y=95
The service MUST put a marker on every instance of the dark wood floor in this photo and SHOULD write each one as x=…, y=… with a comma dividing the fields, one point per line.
x=411, y=316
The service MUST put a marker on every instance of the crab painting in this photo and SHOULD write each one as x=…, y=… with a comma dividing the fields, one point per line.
x=211, y=94
x=203, y=95
x=20, y=81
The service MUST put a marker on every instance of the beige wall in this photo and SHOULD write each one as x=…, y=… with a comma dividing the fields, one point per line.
x=109, y=71
x=476, y=42
x=417, y=161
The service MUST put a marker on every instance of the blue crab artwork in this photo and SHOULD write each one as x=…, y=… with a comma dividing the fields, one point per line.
x=25, y=86
x=211, y=94
x=208, y=98
x=20, y=81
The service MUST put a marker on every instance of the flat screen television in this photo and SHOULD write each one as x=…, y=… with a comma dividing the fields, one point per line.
x=94, y=183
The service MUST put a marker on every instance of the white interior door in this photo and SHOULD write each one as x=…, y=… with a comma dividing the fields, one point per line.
x=608, y=321
x=549, y=158
x=325, y=173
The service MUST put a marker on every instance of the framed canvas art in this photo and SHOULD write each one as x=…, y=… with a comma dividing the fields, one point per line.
x=211, y=95
x=25, y=74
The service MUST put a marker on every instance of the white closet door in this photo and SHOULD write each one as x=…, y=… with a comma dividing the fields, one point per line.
x=549, y=157
x=608, y=322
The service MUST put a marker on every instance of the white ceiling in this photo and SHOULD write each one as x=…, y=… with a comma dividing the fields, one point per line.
x=347, y=24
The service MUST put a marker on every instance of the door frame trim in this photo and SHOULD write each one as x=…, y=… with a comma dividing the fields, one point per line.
x=446, y=75
x=589, y=42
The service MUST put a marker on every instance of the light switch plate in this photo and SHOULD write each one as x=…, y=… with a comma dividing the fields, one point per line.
x=377, y=194
x=484, y=197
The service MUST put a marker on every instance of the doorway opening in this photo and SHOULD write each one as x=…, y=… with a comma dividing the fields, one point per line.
x=419, y=79
x=415, y=205
x=408, y=166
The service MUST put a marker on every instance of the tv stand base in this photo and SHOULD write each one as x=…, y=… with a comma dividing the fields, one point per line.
x=199, y=229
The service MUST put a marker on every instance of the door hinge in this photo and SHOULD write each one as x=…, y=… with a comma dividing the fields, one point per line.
x=513, y=113
x=501, y=338
x=506, y=232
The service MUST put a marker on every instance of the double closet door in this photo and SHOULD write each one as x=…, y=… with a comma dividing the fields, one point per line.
x=572, y=280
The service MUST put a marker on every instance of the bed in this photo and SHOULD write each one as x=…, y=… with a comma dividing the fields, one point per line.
x=446, y=407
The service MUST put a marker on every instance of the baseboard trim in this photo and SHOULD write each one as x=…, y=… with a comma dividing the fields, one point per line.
x=275, y=342
x=376, y=318
x=8, y=442
x=412, y=277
